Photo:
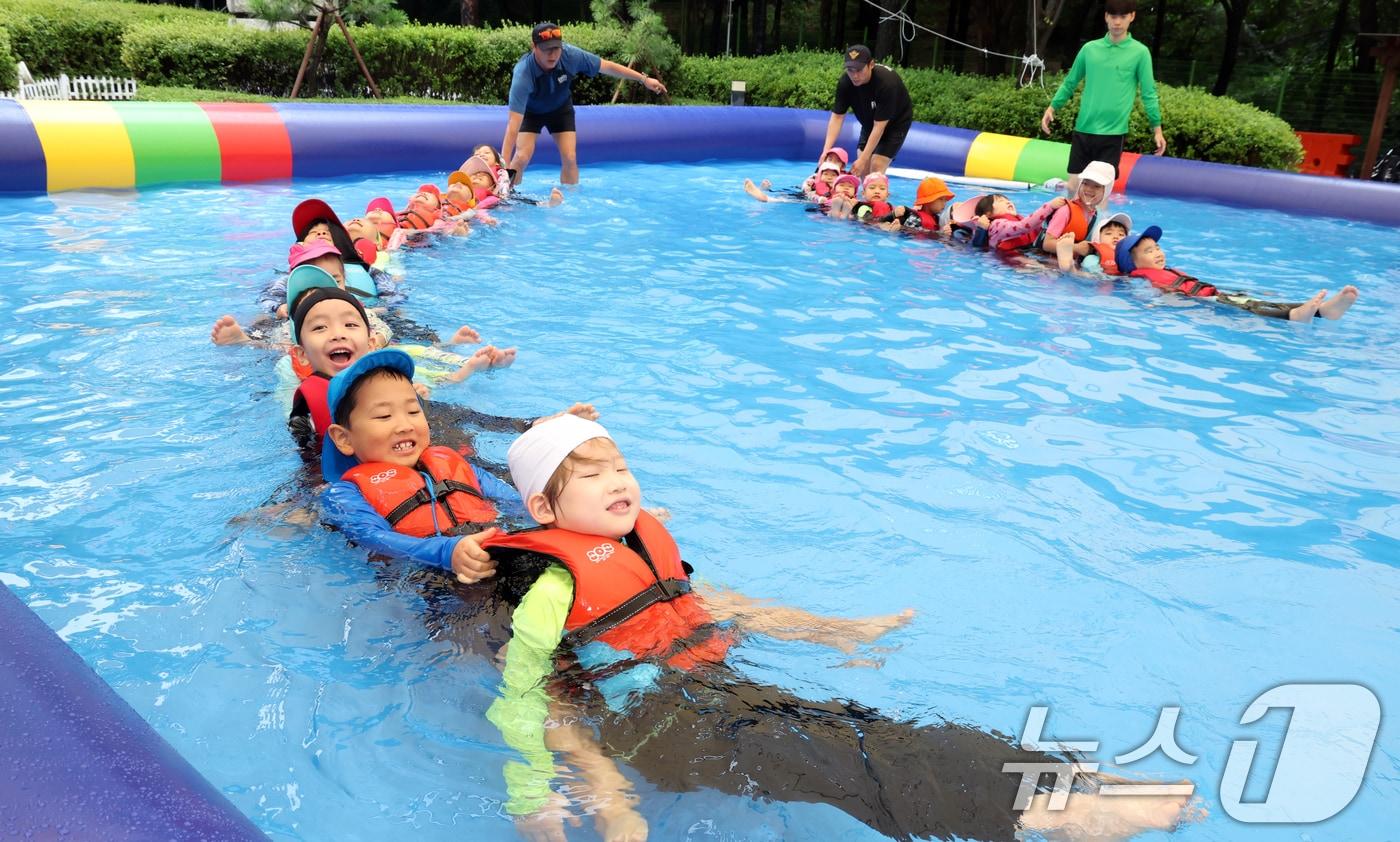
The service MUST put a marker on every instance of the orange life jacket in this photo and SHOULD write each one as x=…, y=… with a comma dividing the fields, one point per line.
x=403, y=497
x=450, y=207
x=1079, y=223
x=1171, y=280
x=633, y=594
x=1108, y=258
x=416, y=221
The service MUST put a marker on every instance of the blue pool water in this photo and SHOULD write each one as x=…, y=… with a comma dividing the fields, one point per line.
x=1096, y=498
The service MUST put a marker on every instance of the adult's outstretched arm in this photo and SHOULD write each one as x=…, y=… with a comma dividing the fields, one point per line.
x=617, y=71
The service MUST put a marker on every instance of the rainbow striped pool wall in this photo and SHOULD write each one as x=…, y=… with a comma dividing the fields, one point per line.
x=65, y=146
x=46, y=147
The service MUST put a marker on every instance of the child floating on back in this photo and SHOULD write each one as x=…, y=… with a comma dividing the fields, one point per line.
x=607, y=588
x=931, y=210
x=1141, y=256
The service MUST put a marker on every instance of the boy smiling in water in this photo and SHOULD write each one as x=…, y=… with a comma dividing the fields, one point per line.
x=1141, y=256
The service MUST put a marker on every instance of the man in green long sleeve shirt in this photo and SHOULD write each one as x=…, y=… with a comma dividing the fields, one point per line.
x=1113, y=69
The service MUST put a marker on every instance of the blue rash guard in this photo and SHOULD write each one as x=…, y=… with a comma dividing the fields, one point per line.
x=534, y=90
x=347, y=509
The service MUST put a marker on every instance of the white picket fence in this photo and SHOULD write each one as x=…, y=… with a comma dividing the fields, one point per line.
x=77, y=87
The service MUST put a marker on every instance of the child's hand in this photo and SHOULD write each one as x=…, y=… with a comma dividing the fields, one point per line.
x=585, y=411
x=281, y=311
x=661, y=513
x=984, y=221
x=469, y=561
x=423, y=391
x=1059, y=202
x=547, y=823
x=620, y=822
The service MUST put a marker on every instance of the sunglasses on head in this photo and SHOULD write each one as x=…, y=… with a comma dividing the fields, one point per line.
x=549, y=34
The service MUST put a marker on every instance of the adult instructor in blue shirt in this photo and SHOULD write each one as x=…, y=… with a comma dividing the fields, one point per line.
x=541, y=97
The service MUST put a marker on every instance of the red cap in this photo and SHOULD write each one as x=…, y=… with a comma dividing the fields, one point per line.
x=430, y=188
x=308, y=212
x=381, y=203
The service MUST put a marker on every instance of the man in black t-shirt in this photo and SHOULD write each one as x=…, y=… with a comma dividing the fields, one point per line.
x=881, y=102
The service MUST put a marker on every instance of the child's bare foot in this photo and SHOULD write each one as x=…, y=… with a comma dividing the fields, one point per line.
x=1336, y=306
x=1304, y=312
x=766, y=184
x=870, y=629
x=502, y=357
x=227, y=332
x=1103, y=818
x=1064, y=253
x=556, y=198
x=464, y=336
x=480, y=360
x=753, y=190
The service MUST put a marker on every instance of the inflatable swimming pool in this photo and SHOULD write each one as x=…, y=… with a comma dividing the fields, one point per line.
x=53, y=146
x=74, y=755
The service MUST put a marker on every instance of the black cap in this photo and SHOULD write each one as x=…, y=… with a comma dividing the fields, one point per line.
x=547, y=35
x=858, y=55
x=315, y=296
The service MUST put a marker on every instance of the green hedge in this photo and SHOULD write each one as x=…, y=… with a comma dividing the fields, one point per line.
x=82, y=37
x=436, y=61
x=1197, y=125
x=9, y=75
x=172, y=46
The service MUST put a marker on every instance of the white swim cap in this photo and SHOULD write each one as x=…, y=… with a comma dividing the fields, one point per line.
x=540, y=450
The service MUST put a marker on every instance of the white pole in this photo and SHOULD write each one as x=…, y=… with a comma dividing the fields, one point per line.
x=728, y=25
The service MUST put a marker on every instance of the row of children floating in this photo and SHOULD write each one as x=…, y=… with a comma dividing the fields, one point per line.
x=601, y=581
x=1077, y=230
x=357, y=255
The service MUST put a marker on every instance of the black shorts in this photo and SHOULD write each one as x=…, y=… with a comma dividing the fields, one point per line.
x=890, y=142
x=1084, y=148
x=559, y=120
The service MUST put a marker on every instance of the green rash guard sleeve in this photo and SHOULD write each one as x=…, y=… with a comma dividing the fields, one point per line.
x=1148, y=87
x=523, y=707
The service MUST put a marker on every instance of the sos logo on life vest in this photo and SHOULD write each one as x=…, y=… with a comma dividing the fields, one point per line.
x=383, y=476
x=600, y=553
